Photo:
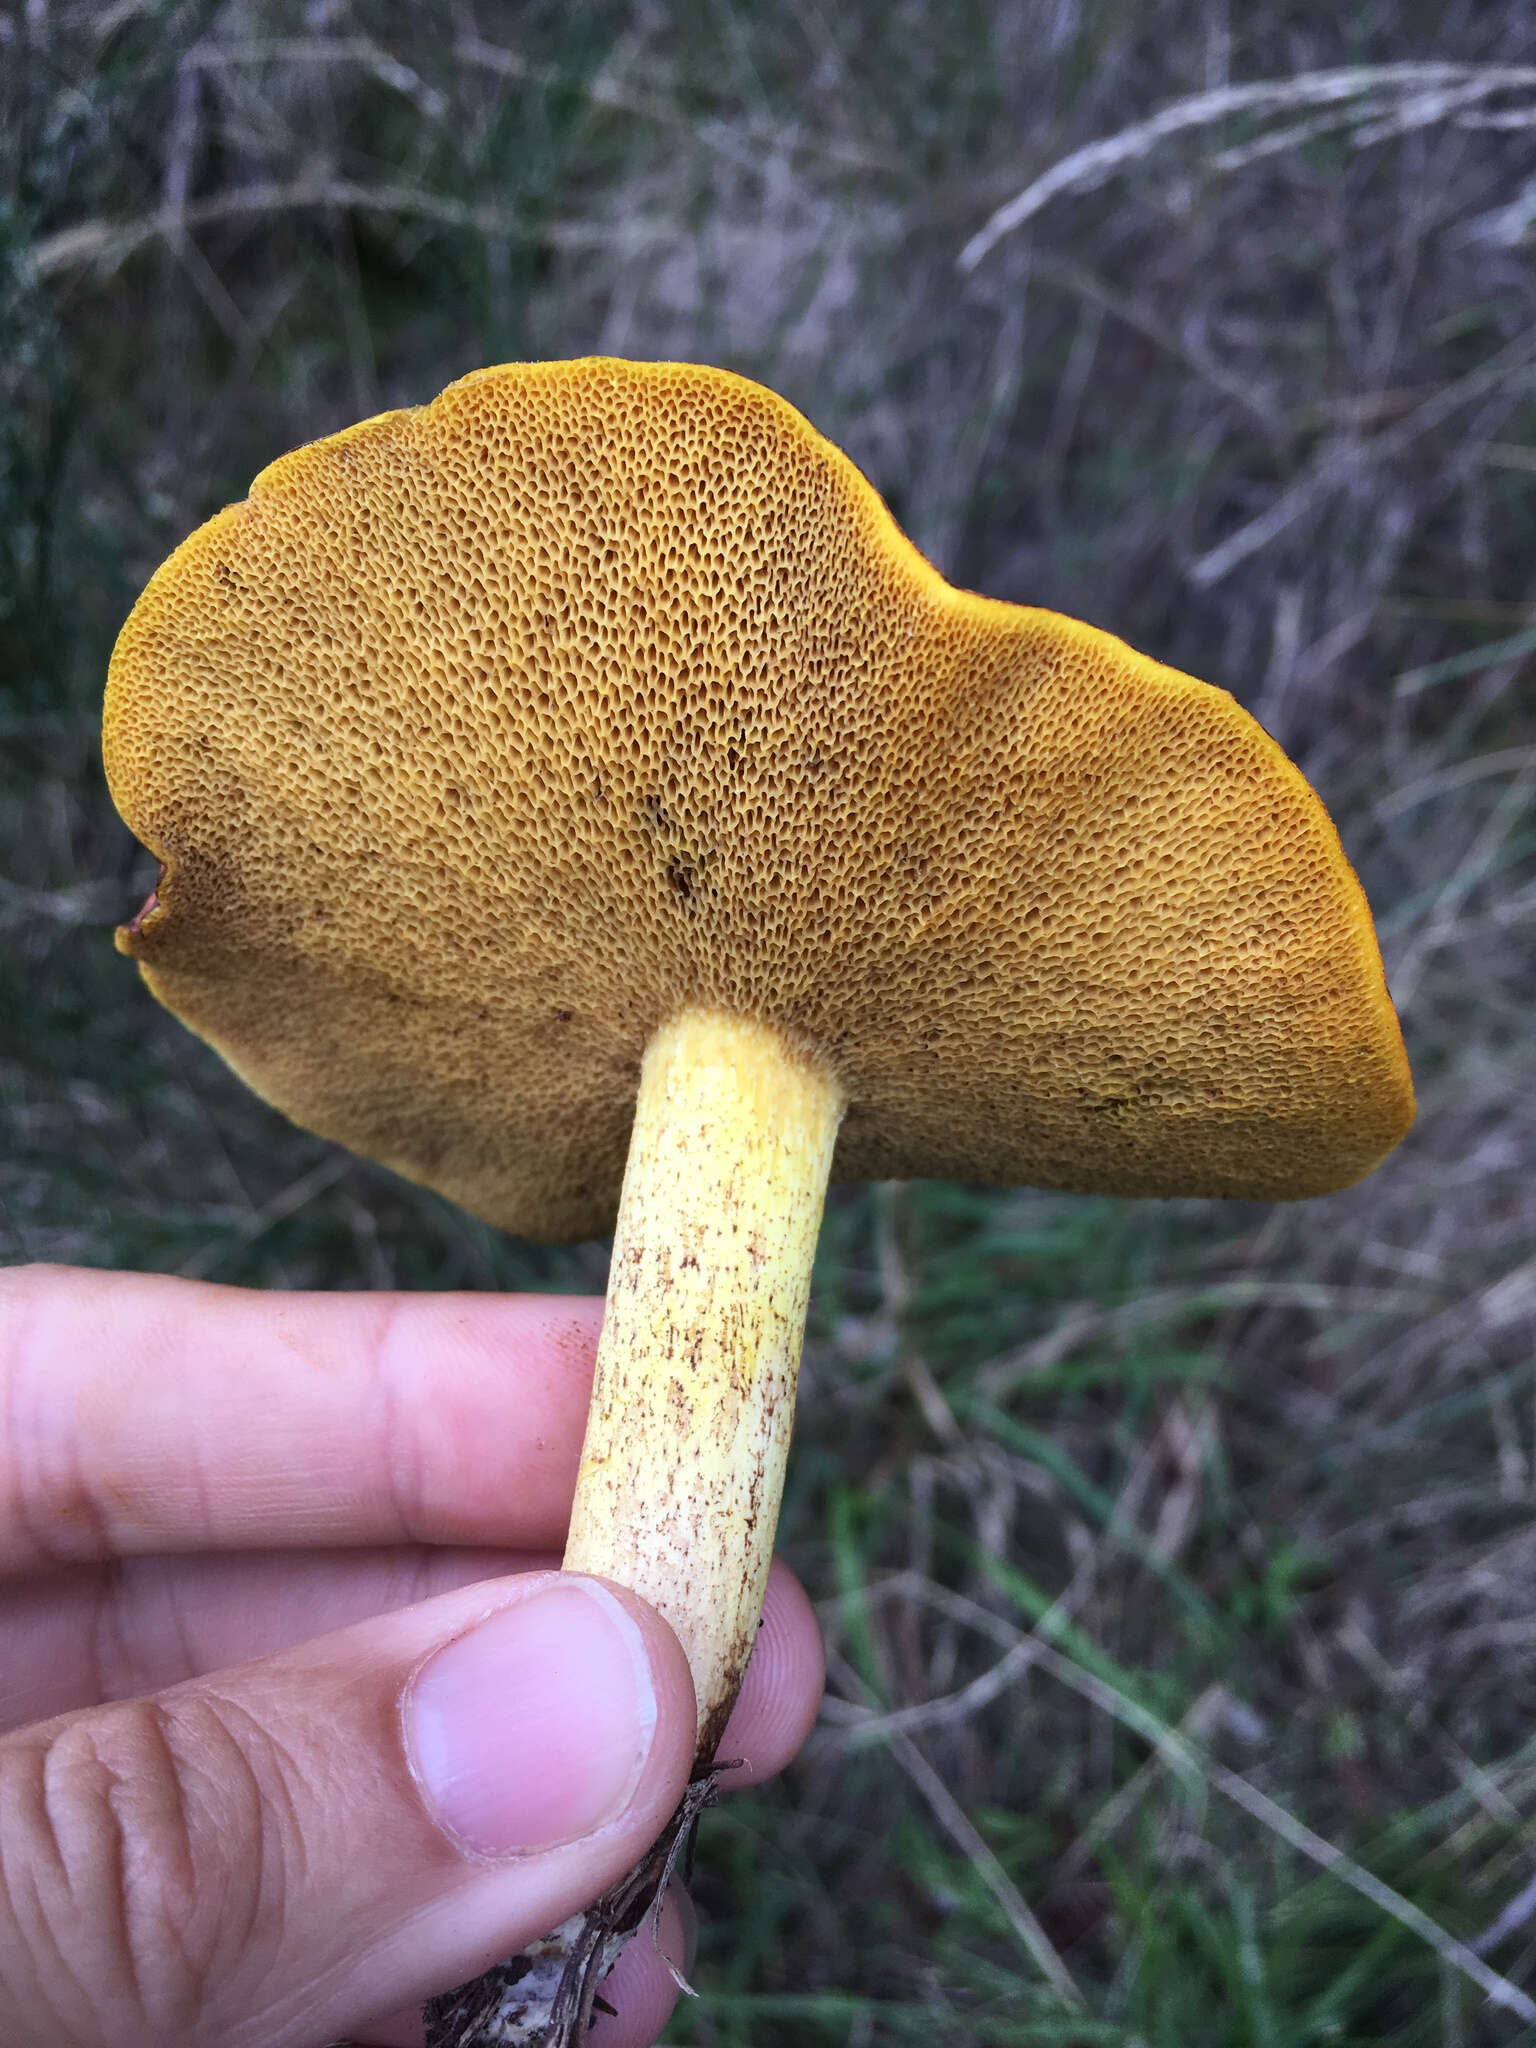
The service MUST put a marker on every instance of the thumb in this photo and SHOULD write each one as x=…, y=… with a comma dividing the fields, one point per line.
x=281, y=1852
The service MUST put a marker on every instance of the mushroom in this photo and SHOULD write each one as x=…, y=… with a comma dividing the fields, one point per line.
x=578, y=794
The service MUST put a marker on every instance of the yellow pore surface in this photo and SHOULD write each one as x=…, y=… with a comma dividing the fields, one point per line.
x=484, y=738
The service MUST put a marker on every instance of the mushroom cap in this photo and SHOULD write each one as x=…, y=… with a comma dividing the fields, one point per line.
x=484, y=737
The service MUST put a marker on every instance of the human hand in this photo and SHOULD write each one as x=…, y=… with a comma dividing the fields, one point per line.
x=298, y=1725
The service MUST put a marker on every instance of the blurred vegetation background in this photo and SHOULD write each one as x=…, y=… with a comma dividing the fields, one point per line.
x=1178, y=1560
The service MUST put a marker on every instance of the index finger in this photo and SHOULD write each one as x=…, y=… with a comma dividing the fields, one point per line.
x=144, y=1414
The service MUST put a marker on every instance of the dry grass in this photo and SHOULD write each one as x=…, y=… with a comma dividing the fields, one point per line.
x=1168, y=1552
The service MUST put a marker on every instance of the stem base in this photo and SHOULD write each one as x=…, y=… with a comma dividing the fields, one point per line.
x=545, y=1997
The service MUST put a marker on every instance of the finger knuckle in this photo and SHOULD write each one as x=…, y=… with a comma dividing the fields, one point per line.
x=50, y=1507
x=138, y=1866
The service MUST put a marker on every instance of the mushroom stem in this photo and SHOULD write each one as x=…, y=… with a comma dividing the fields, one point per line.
x=677, y=1496
x=694, y=1396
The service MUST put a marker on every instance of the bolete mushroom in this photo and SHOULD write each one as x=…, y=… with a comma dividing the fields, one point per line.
x=579, y=795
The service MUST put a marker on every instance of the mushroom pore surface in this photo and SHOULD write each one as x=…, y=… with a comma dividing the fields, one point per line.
x=483, y=738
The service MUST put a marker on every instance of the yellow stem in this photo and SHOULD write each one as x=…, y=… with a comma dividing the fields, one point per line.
x=692, y=1405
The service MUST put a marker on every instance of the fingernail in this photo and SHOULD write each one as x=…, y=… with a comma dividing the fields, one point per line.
x=534, y=1727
